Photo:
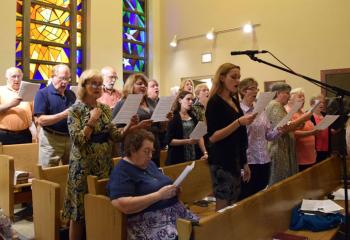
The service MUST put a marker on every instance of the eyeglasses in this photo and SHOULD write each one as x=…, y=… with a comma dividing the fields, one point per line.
x=113, y=77
x=63, y=78
x=95, y=84
x=148, y=151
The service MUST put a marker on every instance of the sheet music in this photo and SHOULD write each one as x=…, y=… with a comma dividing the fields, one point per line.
x=326, y=122
x=162, y=109
x=74, y=89
x=129, y=109
x=184, y=174
x=340, y=194
x=326, y=206
x=294, y=109
x=263, y=100
x=199, y=131
x=317, y=102
x=28, y=90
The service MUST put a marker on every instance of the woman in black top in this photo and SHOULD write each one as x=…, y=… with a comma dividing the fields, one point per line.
x=181, y=147
x=228, y=136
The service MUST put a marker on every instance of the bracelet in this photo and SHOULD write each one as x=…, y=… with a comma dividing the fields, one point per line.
x=239, y=123
x=89, y=125
x=205, y=153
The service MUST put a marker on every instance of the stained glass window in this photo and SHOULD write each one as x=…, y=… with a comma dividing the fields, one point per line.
x=134, y=37
x=49, y=32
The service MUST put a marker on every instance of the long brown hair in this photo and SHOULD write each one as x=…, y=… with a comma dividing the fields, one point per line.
x=222, y=71
x=177, y=106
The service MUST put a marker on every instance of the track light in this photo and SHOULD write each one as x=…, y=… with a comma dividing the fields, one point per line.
x=247, y=28
x=173, y=42
x=211, y=34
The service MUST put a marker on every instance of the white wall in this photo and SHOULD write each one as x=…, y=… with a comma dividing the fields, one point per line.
x=306, y=35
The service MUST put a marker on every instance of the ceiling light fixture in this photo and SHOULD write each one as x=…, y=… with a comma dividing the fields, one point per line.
x=211, y=34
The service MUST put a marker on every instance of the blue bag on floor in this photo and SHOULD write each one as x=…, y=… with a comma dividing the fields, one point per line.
x=316, y=222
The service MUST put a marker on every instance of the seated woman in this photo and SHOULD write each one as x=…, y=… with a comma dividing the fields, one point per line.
x=140, y=190
x=181, y=148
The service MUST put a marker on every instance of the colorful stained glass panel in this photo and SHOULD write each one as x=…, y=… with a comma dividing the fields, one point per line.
x=18, y=28
x=134, y=34
x=135, y=5
x=48, y=33
x=19, y=49
x=79, y=21
x=19, y=12
x=61, y=3
x=79, y=56
x=39, y=71
x=50, y=15
x=133, y=65
x=78, y=39
x=49, y=53
x=134, y=19
x=134, y=49
x=79, y=5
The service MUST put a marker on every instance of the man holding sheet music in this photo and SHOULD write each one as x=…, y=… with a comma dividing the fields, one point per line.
x=51, y=109
x=15, y=114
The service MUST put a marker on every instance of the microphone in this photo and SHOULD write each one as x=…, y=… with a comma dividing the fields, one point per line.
x=248, y=52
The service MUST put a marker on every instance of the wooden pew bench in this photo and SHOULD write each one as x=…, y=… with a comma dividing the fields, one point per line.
x=23, y=157
x=267, y=212
x=103, y=221
x=48, y=196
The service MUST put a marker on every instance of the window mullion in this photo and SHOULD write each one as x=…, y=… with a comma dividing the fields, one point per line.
x=73, y=39
x=26, y=40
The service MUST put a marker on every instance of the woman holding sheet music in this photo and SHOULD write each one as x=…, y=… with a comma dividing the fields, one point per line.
x=259, y=133
x=139, y=189
x=305, y=135
x=92, y=134
x=137, y=84
x=180, y=147
x=282, y=150
x=228, y=136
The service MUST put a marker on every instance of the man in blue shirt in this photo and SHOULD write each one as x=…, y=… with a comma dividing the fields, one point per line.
x=51, y=109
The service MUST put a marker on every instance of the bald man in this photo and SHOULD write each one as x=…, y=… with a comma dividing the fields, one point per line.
x=15, y=115
x=110, y=95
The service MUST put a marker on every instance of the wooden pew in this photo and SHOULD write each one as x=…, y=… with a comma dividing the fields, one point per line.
x=163, y=156
x=267, y=212
x=24, y=158
x=48, y=195
x=198, y=183
x=103, y=221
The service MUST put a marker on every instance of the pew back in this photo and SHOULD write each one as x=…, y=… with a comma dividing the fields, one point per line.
x=199, y=179
x=6, y=184
x=25, y=155
x=269, y=211
x=48, y=196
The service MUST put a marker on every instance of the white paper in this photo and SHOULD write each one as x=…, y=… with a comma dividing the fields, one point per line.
x=129, y=109
x=340, y=194
x=294, y=109
x=162, y=109
x=199, y=131
x=326, y=206
x=326, y=122
x=184, y=174
x=28, y=90
x=74, y=89
x=317, y=102
x=263, y=100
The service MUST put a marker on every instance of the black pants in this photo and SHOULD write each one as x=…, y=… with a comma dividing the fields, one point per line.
x=8, y=137
x=260, y=174
x=322, y=155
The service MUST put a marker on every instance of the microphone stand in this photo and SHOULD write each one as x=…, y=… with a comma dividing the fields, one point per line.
x=339, y=93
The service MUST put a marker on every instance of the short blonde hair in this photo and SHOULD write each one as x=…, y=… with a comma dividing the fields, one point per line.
x=12, y=70
x=183, y=83
x=297, y=91
x=199, y=88
x=244, y=84
x=87, y=75
x=129, y=84
x=318, y=97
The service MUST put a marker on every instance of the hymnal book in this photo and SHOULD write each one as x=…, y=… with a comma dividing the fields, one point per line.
x=21, y=177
